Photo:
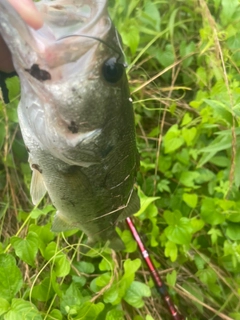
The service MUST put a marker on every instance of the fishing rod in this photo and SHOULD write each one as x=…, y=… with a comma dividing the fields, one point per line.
x=159, y=284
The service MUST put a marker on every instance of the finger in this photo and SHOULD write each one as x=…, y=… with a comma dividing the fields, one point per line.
x=28, y=12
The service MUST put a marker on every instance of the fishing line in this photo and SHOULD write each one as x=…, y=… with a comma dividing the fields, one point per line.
x=120, y=53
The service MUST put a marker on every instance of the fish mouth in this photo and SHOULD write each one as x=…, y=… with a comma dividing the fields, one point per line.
x=71, y=29
x=56, y=43
x=65, y=17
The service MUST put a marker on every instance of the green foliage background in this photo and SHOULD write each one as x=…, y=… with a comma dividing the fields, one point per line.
x=184, y=60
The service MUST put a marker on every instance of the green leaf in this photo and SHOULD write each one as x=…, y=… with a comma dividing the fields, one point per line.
x=12, y=111
x=150, y=213
x=26, y=249
x=189, y=135
x=50, y=251
x=151, y=15
x=179, y=233
x=55, y=315
x=234, y=315
x=13, y=86
x=43, y=291
x=220, y=111
x=228, y=9
x=114, y=294
x=130, y=267
x=129, y=242
x=186, y=119
x=172, y=218
x=172, y=278
x=44, y=233
x=202, y=80
x=183, y=156
x=71, y=298
x=200, y=261
x=197, y=224
x=215, y=234
x=166, y=57
x=154, y=233
x=135, y=293
x=85, y=267
x=103, y=279
x=21, y=309
x=118, y=290
x=4, y=306
x=207, y=276
x=210, y=212
x=61, y=265
x=165, y=163
x=79, y=280
x=106, y=264
x=233, y=231
x=10, y=277
x=187, y=178
x=163, y=186
x=190, y=199
x=145, y=202
x=185, y=50
x=90, y=311
x=196, y=291
x=115, y=315
x=171, y=250
x=36, y=212
x=173, y=139
x=222, y=142
x=173, y=144
x=205, y=175
x=131, y=36
x=234, y=212
x=220, y=161
x=148, y=317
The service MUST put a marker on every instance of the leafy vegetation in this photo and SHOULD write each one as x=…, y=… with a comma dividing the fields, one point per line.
x=184, y=60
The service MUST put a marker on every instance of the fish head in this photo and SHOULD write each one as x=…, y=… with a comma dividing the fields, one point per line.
x=71, y=72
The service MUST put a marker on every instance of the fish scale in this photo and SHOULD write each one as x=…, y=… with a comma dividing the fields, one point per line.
x=76, y=115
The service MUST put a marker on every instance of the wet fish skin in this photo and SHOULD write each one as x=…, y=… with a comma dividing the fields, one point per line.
x=76, y=115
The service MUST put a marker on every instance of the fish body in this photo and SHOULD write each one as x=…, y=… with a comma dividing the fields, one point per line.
x=76, y=114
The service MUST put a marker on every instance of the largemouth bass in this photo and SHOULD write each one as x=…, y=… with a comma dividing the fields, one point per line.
x=76, y=114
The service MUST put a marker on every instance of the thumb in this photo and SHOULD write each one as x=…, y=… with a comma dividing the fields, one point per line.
x=28, y=12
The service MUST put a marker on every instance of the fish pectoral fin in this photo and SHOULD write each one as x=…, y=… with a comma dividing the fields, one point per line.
x=37, y=188
x=133, y=207
x=60, y=223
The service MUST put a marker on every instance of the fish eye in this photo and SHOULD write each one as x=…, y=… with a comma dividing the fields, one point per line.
x=112, y=70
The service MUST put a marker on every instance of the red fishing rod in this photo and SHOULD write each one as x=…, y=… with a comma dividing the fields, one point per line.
x=159, y=284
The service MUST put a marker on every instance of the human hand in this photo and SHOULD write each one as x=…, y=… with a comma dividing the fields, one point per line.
x=32, y=17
